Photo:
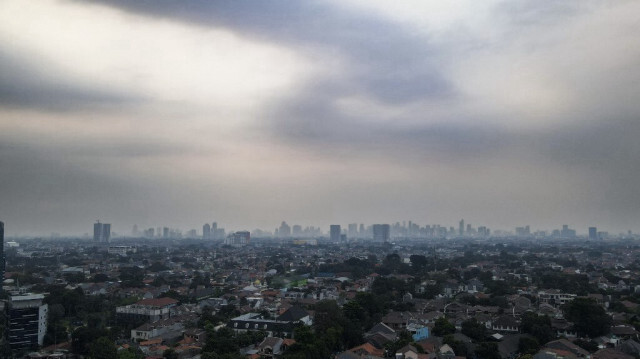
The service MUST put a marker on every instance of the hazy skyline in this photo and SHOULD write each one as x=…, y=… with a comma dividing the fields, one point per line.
x=504, y=113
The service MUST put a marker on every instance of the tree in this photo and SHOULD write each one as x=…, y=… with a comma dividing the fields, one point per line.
x=443, y=327
x=488, y=350
x=474, y=329
x=589, y=318
x=82, y=339
x=130, y=353
x=103, y=348
x=99, y=278
x=537, y=325
x=170, y=354
x=459, y=348
x=527, y=345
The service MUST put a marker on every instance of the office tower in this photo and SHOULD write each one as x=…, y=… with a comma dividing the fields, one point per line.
x=165, y=232
x=26, y=321
x=284, y=230
x=214, y=231
x=461, y=228
x=381, y=232
x=101, y=232
x=353, y=230
x=2, y=258
x=297, y=230
x=566, y=232
x=593, y=233
x=334, y=232
x=206, y=231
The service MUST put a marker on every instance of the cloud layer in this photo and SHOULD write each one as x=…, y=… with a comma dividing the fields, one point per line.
x=177, y=113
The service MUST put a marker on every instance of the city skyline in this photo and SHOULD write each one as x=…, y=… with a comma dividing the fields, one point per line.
x=103, y=232
x=159, y=113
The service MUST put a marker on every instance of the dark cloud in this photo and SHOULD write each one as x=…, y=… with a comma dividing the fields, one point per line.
x=27, y=81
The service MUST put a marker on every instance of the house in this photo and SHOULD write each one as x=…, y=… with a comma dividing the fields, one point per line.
x=506, y=323
x=255, y=322
x=564, y=344
x=270, y=347
x=418, y=330
x=610, y=353
x=366, y=350
x=146, y=310
x=407, y=352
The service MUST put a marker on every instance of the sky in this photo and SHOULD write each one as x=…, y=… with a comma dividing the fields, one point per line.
x=250, y=113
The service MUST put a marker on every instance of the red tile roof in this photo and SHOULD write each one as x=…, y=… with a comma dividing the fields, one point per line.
x=158, y=302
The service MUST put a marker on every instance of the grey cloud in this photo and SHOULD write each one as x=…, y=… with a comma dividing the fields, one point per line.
x=312, y=121
x=29, y=83
x=385, y=60
x=530, y=13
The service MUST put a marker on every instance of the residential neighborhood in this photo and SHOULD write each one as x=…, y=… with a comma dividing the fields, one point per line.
x=474, y=298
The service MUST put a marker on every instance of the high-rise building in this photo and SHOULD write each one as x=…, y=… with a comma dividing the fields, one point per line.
x=381, y=232
x=334, y=232
x=165, y=232
x=566, y=232
x=2, y=258
x=353, y=230
x=461, y=228
x=593, y=233
x=101, y=232
x=27, y=321
x=284, y=230
x=206, y=231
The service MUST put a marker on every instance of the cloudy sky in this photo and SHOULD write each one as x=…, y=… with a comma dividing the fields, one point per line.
x=248, y=113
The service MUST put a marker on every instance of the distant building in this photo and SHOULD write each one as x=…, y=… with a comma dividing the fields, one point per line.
x=240, y=238
x=284, y=230
x=26, y=321
x=206, y=231
x=101, y=232
x=353, y=230
x=566, y=232
x=334, y=232
x=593, y=233
x=122, y=250
x=461, y=228
x=2, y=258
x=381, y=232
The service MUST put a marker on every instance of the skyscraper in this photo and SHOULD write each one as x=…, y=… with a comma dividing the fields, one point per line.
x=101, y=232
x=593, y=233
x=353, y=230
x=461, y=228
x=284, y=230
x=206, y=231
x=381, y=232
x=2, y=259
x=334, y=232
